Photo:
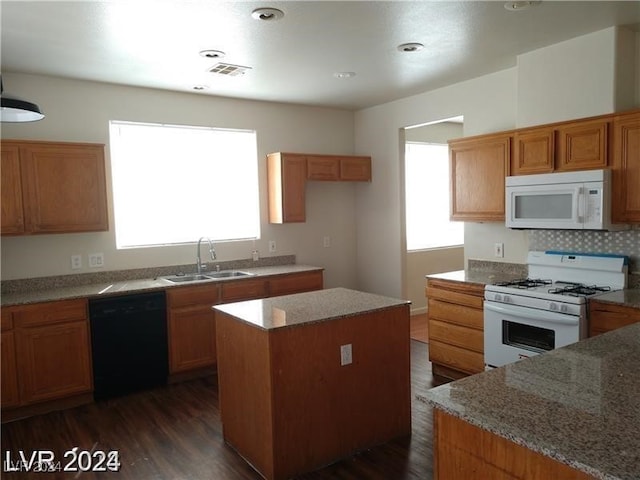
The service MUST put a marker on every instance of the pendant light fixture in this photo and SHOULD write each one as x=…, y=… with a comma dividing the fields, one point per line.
x=18, y=110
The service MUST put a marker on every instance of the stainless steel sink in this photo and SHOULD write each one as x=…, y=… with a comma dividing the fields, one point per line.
x=187, y=278
x=207, y=276
x=228, y=273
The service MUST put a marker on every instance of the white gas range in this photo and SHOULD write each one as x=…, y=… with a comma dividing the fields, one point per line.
x=549, y=309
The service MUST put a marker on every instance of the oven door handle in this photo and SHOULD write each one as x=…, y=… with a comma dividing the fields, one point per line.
x=540, y=315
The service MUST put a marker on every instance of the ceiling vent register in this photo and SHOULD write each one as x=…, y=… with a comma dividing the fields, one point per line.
x=228, y=69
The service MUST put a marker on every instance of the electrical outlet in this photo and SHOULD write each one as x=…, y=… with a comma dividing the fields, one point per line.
x=346, y=356
x=498, y=250
x=76, y=262
x=96, y=260
x=326, y=241
x=272, y=246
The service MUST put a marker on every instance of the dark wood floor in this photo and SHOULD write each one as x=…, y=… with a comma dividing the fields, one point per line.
x=174, y=432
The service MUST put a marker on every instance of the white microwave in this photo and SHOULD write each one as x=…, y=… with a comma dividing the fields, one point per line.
x=569, y=201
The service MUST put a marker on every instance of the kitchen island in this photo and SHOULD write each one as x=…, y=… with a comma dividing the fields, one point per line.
x=573, y=413
x=307, y=379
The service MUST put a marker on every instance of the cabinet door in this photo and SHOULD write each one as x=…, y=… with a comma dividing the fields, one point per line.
x=355, y=169
x=11, y=190
x=64, y=187
x=533, y=151
x=8, y=371
x=53, y=361
x=478, y=169
x=626, y=169
x=295, y=283
x=192, y=338
x=604, y=317
x=582, y=145
x=287, y=175
x=323, y=168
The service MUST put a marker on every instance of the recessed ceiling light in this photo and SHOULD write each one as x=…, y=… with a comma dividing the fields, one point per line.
x=267, y=14
x=212, y=53
x=517, y=6
x=344, y=74
x=200, y=87
x=410, y=47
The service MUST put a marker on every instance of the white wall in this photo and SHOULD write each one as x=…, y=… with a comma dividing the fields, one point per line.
x=80, y=111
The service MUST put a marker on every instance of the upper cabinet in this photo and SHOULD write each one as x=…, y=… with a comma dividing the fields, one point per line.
x=626, y=168
x=478, y=167
x=287, y=174
x=576, y=145
x=50, y=187
x=479, y=164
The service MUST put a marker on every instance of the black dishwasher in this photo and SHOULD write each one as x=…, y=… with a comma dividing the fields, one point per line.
x=129, y=343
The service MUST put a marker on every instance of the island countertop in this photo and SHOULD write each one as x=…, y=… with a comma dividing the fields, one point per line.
x=302, y=308
x=579, y=404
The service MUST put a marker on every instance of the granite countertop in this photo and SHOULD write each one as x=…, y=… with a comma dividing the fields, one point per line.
x=134, y=286
x=579, y=404
x=481, y=277
x=628, y=298
x=302, y=308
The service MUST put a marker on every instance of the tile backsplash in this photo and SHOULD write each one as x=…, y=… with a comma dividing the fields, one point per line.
x=623, y=243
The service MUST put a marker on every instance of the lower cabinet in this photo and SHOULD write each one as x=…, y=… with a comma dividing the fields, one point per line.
x=456, y=328
x=47, y=350
x=191, y=321
x=604, y=317
x=192, y=327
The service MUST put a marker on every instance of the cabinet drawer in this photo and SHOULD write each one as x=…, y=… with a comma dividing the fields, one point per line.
x=455, y=357
x=463, y=337
x=452, y=296
x=50, y=313
x=202, y=294
x=243, y=290
x=294, y=283
x=458, y=314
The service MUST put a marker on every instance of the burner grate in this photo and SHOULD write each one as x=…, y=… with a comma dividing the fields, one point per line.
x=525, y=283
x=579, y=290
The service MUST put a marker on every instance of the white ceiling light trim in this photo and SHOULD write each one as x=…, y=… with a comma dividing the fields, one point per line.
x=344, y=74
x=410, y=47
x=212, y=53
x=267, y=14
x=16, y=110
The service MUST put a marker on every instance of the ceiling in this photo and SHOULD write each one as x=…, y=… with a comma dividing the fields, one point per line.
x=157, y=43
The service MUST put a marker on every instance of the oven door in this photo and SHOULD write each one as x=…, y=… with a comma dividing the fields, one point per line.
x=512, y=332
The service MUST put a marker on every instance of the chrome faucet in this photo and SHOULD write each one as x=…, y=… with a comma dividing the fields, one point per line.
x=212, y=251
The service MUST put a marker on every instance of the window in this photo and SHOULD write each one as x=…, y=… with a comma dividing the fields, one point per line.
x=174, y=184
x=427, y=198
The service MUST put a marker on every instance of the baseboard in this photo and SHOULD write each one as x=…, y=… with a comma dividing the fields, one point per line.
x=418, y=311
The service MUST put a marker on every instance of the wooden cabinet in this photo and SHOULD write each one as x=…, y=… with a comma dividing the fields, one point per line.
x=295, y=283
x=11, y=191
x=626, y=168
x=478, y=167
x=456, y=326
x=192, y=323
x=51, y=352
x=533, y=151
x=191, y=327
x=287, y=174
x=8, y=369
x=335, y=168
x=562, y=147
x=604, y=317
x=52, y=187
x=582, y=145
x=462, y=450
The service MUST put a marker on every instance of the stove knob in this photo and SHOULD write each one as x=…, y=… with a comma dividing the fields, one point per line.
x=498, y=297
x=553, y=306
x=564, y=308
x=507, y=299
